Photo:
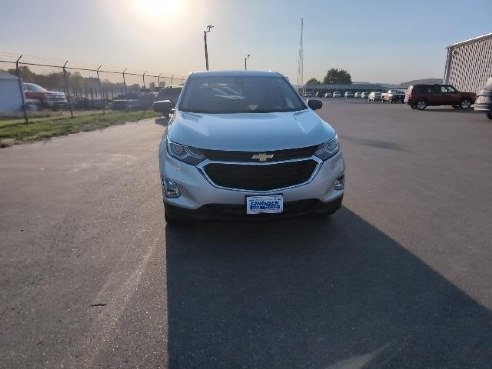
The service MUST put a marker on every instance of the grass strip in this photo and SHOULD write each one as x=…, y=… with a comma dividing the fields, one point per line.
x=15, y=131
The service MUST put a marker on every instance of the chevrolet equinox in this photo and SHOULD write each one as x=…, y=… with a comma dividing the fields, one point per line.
x=245, y=145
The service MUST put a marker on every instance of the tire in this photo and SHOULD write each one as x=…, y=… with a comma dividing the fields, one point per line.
x=489, y=115
x=421, y=104
x=465, y=104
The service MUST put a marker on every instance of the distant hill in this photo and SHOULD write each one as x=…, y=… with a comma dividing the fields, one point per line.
x=406, y=84
x=389, y=85
x=428, y=81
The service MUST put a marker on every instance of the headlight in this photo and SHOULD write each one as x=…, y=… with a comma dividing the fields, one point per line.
x=184, y=153
x=327, y=149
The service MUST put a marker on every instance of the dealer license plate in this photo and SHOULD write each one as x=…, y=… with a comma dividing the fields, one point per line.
x=264, y=204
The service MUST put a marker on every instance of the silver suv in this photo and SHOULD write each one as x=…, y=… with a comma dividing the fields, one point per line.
x=245, y=144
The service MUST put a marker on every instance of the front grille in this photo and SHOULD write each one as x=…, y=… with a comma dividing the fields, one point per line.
x=245, y=156
x=260, y=177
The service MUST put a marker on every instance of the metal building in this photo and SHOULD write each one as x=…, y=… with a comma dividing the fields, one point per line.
x=10, y=93
x=469, y=63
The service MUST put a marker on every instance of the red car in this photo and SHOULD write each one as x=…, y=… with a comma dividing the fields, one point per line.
x=421, y=96
x=53, y=99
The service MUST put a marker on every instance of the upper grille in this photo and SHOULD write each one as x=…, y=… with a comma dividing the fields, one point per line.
x=245, y=156
x=260, y=177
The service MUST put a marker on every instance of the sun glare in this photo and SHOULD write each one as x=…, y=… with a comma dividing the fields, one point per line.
x=158, y=8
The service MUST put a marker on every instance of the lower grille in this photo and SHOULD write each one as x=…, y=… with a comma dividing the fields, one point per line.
x=260, y=177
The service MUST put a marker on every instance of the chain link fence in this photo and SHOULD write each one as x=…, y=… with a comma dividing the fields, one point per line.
x=29, y=88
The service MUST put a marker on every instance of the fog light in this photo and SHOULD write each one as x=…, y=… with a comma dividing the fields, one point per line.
x=170, y=188
x=340, y=183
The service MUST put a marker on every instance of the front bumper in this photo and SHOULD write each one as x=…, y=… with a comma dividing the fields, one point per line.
x=56, y=103
x=198, y=193
x=482, y=107
x=227, y=211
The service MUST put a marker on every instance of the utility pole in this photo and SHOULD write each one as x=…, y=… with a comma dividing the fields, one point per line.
x=300, y=62
x=245, y=61
x=209, y=27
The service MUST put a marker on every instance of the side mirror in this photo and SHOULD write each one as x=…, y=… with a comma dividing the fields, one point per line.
x=315, y=104
x=164, y=106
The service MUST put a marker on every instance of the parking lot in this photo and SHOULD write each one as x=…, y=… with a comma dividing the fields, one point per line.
x=400, y=277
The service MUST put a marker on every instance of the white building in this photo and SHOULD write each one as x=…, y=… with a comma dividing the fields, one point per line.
x=10, y=93
x=469, y=63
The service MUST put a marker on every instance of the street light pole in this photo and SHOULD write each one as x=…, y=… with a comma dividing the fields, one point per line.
x=209, y=27
x=245, y=62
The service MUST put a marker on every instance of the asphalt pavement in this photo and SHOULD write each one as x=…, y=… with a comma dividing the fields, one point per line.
x=400, y=277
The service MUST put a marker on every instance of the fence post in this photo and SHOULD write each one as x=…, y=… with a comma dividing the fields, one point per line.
x=21, y=87
x=101, y=92
x=124, y=82
x=65, y=77
x=143, y=78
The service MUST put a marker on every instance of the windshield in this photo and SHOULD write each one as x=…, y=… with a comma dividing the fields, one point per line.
x=169, y=94
x=244, y=94
x=33, y=87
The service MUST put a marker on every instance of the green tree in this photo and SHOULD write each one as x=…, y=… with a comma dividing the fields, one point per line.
x=25, y=73
x=337, y=76
x=313, y=81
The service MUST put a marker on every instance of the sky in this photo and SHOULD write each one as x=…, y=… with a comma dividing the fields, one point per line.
x=375, y=41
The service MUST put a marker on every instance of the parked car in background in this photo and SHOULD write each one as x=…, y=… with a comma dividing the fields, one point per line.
x=364, y=95
x=218, y=159
x=348, y=94
x=484, y=102
x=88, y=104
x=337, y=94
x=141, y=100
x=393, y=96
x=171, y=94
x=421, y=96
x=328, y=94
x=357, y=95
x=51, y=99
x=374, y=96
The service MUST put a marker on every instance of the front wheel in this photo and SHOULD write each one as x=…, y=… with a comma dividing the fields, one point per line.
x=465, y=104
x=421, y=104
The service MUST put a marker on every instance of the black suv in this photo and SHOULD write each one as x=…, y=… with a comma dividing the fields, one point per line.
x=421, y=96
x=170, y=93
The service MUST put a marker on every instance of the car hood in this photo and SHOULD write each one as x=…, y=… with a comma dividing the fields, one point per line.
x=249, y=131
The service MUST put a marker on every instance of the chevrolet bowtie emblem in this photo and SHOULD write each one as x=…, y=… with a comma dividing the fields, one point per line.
x=262, y=156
